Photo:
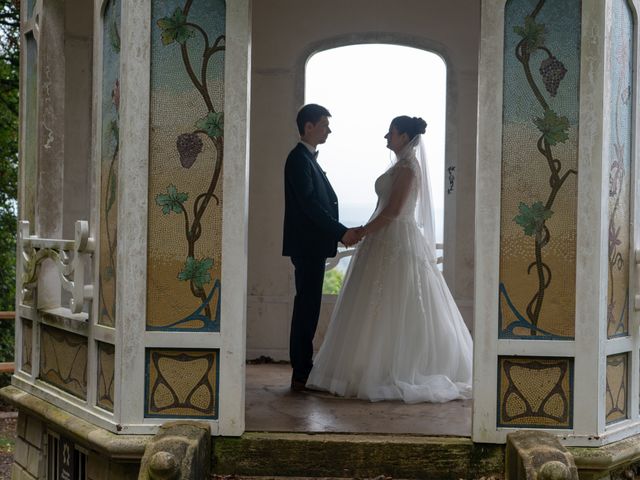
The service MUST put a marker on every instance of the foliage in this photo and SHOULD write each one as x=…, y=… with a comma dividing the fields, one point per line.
x=9, y=84
x=174, y=28
x=197, y=271
x=553, y=127
x=212, y=124
x=532, y=217
x=332, y=282
x=532, y=33
x=172, y=200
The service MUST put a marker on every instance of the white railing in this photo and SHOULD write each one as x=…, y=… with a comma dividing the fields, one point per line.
x=348, y=252
x=71, y=257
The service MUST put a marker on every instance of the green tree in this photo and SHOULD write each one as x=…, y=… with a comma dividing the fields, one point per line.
x=332, y=282
x=9, y=85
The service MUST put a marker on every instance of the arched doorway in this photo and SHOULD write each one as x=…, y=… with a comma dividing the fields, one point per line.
x=280, y=54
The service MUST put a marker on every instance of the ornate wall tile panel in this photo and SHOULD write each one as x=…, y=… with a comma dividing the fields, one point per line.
x=621, y=37
x=182, y=383
x=109, y=161
x=535, y=392
x=63, y=360
x=616, y=393
x=185, y=165
x=27, y=344
x=106, y=361
x=539, y=169
x=29, y=160
x=30, y=5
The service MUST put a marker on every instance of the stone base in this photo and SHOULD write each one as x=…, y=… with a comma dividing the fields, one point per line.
x=107, y=456
x=355, y=456
x=111, y=456
x=616, y=461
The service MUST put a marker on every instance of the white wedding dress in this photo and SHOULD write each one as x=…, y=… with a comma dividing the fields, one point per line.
x=395, y=332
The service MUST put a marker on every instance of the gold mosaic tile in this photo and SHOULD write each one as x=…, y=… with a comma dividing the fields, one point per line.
x=182, y=383
x=616, y=393
x=620, y=145
x=538, y=204
x=185, y=166
x=106, y=359
x=110, y=136
x=63, y=360
x=535, y=392
x=27, y=344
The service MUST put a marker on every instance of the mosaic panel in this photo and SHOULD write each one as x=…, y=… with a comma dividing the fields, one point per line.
x=29, y=160
x=185, y=165
x=109, y=161
x=27, y=345
x=106, y=362
x=620, y=143
x=30, y=5
x=182, y=383
x=539, y=169
x=535, y=392
x=616, y=393
x=63, y=360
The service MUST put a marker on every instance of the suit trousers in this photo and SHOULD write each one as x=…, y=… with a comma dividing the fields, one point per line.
x=309, y=275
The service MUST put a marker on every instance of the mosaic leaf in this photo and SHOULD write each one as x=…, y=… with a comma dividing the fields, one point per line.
x=174, y=28
x=197, y=271
x=532, y=33
x=532, y=217
x=554, y=128
x=212, y=124
x=171, y=201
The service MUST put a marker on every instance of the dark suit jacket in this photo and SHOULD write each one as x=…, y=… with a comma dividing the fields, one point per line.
x=311, y=226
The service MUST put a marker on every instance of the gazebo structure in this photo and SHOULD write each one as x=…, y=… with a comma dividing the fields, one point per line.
x=153, y=136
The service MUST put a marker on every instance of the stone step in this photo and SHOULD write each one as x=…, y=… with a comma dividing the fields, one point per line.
x=301, y=455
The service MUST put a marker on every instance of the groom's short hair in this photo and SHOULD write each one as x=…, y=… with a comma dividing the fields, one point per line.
x=311, y=112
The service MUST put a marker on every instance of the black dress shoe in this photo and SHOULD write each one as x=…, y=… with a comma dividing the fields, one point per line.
x=298, y=386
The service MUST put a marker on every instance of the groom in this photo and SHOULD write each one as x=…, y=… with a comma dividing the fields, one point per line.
x=311, y=234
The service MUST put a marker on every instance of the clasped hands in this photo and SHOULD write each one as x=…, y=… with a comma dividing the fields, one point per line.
x=352, y=236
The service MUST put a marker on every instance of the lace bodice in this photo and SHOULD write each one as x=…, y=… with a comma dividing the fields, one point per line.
x=385, y=183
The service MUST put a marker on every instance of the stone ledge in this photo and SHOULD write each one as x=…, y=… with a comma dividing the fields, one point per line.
x=607, y=457
x=355, y=455
x=116, y=447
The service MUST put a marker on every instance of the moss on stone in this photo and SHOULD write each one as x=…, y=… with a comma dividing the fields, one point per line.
x=356, y=456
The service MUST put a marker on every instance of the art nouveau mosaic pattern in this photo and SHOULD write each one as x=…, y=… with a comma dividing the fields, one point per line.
x=535, y=392
x=27, y=344
x=63, y=360
x=110, y=135
x=106, y=359
x=182, y=383
x=616, y=393
x=185, y=165
x=539, y=169
x=620, y=143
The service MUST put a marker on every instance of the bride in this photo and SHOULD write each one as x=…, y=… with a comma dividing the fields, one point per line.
x=396, y=332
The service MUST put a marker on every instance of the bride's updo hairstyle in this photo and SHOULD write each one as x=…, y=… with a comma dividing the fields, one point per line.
x=412, y=126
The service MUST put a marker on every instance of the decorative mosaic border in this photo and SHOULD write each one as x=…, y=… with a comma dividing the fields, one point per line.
x=546, y=404
x=181, y=388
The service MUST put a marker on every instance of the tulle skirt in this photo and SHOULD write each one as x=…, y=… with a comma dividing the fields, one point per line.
x=395, y=333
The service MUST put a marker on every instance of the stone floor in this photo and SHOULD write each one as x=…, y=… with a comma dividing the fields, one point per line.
x=272, y=407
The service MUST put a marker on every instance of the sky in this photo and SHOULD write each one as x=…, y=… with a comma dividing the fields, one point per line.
x=365, y=87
